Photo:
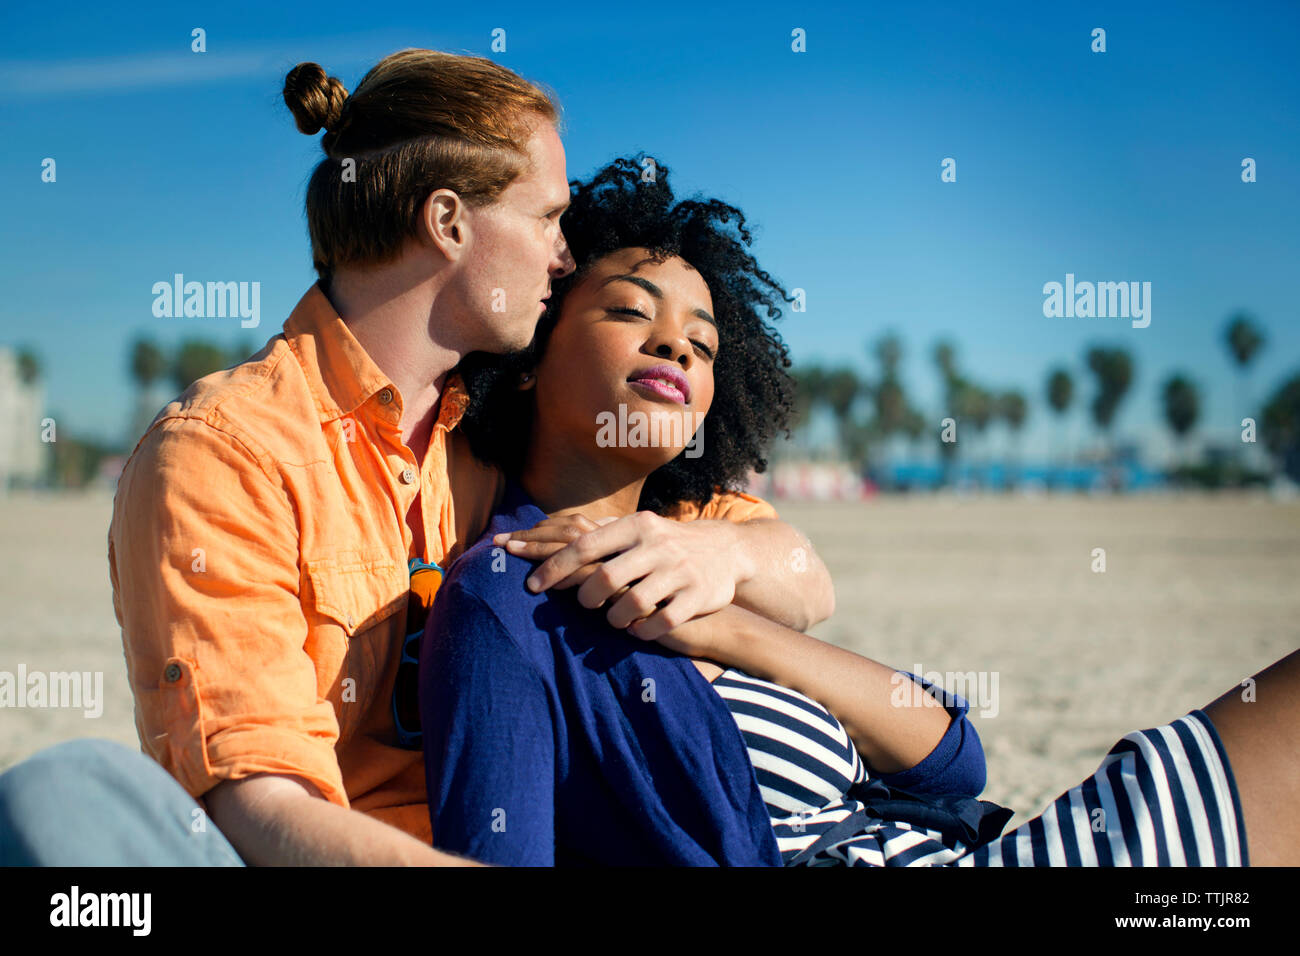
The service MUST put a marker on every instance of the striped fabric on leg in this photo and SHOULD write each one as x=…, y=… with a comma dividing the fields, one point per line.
x=1161, y=797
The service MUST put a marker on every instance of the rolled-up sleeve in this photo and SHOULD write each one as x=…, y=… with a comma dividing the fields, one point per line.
x=956, y=764
x=204, y=561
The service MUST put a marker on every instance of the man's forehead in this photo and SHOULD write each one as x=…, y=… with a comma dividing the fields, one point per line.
x=545, y=174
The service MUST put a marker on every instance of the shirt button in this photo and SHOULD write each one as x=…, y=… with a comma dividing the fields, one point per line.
x=408, y=476
x=351, y=623
x=172, y=674
x=385, y=396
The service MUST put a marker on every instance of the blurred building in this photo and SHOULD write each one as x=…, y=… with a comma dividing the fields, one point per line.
x=24, y=457
x=811, y=481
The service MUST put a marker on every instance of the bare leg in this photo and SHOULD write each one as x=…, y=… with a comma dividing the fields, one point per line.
x=1262, y=738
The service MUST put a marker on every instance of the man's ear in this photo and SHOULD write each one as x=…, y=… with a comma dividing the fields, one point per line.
x=444, y=223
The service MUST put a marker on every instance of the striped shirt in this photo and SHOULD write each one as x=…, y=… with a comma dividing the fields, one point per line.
x=1162, y=797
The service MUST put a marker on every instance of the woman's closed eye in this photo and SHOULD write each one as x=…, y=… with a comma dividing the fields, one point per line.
x=630, y=311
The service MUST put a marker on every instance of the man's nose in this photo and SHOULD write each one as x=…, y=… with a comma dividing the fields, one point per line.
x=564, y=260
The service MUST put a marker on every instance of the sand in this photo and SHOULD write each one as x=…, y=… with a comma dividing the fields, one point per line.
x=1198, y=593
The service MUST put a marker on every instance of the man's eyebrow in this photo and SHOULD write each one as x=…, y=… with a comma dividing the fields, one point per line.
x=657, y=292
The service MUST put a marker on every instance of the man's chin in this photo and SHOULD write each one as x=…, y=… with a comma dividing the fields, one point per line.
x=525, y=345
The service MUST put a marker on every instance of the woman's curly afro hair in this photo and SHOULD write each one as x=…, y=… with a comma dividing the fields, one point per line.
x=753, y=392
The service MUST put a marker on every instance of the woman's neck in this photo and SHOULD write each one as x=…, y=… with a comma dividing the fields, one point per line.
x=564, y=482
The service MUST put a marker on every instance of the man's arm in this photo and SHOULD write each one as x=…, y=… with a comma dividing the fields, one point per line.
x=204, y=561
x=778, y=574
x=274, y=820
x=692, y=562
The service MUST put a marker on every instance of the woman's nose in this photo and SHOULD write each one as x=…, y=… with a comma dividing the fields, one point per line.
x=674, y=346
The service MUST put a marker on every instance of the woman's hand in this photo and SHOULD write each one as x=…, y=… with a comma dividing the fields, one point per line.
x=651, y=571
x=704, y=637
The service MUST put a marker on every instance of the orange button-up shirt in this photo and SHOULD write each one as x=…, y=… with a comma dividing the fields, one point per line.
x=259, y=552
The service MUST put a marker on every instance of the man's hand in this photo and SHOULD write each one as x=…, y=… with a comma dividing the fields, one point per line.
x=653, y=572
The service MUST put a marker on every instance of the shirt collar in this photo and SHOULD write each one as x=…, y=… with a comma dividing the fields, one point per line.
x=341, y=374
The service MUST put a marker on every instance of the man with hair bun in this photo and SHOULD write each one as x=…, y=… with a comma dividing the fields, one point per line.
x=279, y=531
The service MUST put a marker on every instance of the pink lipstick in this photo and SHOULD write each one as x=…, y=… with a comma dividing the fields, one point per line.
x=666, y=381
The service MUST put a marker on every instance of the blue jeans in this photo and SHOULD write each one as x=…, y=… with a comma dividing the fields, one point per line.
x=97, y=803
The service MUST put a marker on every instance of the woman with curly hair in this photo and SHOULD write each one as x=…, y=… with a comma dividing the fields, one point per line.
x=552, y=738
x=753, y=394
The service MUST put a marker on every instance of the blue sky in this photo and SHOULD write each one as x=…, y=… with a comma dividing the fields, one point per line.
x=1115, y=166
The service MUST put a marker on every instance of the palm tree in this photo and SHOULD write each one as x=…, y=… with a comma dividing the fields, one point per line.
x=842, y=390
x=945, y=359
x=148, y=364
x=891, y=408
x=1182, y=406
x=1060, y=390
x=195, y=359
x=244, y=349
x=1244, y=340
x=1114, y=370
x=970, y=404
x=891, y=400
x=149, y=368
x=945, y=356
x=947, y=455
x=1013, y=409
x=980, y=408
x=914, y=425
x=809, y=393
x=1060, y=393
x=889, y=352
x=29, y=366
x=1279, y=426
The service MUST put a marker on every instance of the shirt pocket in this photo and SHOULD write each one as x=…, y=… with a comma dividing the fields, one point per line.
x=356, y=595
x=357, y=589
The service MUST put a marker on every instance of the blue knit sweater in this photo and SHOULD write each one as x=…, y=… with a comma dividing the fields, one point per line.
x=553, y=739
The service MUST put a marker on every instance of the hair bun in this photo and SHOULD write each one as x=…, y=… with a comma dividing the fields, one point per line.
x=315, y=98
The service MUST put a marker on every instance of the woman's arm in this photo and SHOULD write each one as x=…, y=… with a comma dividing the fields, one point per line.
x=892, y=726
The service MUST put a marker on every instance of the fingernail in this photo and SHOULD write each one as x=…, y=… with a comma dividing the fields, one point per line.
x=532, y=584
x=514, y=544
